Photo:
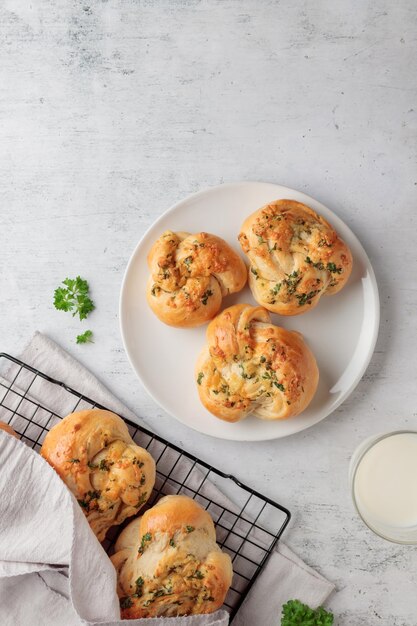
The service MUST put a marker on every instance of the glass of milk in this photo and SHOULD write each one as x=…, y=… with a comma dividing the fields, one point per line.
x=383, y=477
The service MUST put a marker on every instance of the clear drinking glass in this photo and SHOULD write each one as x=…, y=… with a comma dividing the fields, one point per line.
x=397, y=496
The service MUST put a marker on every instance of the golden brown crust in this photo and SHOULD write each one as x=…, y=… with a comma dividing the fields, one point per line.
x=168, y=562
x=110, y=475
x=8, y=429
x=190, y=274
x=295, y=257
x=250, y=366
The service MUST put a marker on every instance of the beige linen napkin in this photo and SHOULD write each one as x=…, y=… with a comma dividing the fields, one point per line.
x=285, y=576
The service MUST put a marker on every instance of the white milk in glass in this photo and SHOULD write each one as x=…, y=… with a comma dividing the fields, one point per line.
x=384, y=485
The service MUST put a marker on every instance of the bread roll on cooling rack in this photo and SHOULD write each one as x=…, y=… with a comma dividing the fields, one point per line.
x=190, y=274
x=109, y=474
x=250, y=366
x=295, y=257
x=169, y=564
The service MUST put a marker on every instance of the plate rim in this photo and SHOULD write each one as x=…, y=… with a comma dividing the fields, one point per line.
x=376, y=311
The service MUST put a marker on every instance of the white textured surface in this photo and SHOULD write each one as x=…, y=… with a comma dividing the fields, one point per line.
x=111, y=111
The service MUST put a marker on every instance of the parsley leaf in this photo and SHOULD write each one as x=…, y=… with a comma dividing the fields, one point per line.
x=245, y=374
x=319, y=265
x=94, y=495
x=306, y=298
x=125, y=603
x=332, y=267
x=275, y=289
x=294, y=613
x=292, y=281
x=62, y=299
x=105, y=465
x=142, y=499
x=139, y=585
x=206, y=295
x=74, y=297
x=145, y=538
x=85, y=337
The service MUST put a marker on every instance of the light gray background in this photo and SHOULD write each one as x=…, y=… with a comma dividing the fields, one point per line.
x=112, y=111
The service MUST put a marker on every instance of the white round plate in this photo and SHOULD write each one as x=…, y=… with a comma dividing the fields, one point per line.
x=341, y=330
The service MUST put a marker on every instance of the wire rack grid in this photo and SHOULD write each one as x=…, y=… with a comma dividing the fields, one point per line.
x=248, y=525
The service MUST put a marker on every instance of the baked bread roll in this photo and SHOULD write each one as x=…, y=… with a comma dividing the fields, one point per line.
x=8, y=429
x=190, y=274
x=250, y=366
x=110, y=475
x=295, y=257
x=169, y=564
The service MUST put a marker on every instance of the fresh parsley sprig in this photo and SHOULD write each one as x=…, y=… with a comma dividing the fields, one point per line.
x=74, y=297
x=85, y=337
x=295, y=613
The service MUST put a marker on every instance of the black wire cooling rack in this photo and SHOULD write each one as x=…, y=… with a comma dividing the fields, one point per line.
x=248, y=525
